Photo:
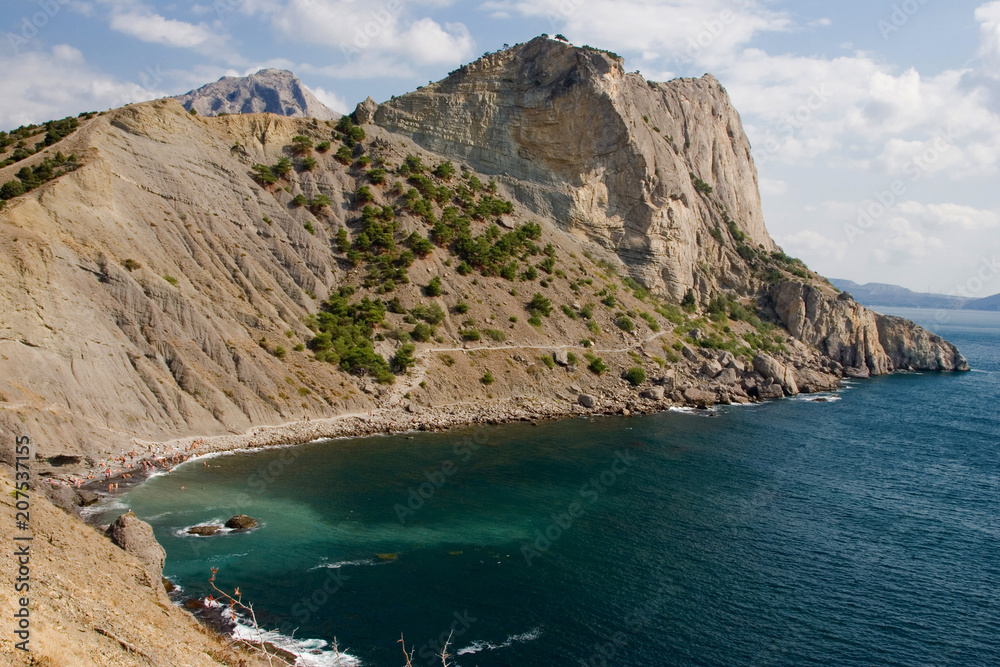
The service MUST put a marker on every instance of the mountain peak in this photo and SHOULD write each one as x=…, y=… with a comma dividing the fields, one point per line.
x=276, y=91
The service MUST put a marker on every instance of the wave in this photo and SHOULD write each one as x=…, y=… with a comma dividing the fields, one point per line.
x=308, y=652
x=345, y=563
x=692, y=411
x=482, y=645
x=109, y=504
x=819, y=397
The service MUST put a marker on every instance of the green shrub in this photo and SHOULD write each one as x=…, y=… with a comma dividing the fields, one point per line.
x=587, y=311
x=301, y=144
x=279, y=352
x=309, y=227
x=308, y=163
x=433, y=288
x=548, y=361
x=377, y=175
x=364, y=161
x=700, y=185
x=609, y=300
x=595, y=364
x=540, y=305
x=495, y=334
x=432, y=314
x=487, y=378
x=535, y=321
x=445, y=171
x=689, y=302
x=568, y=312
x=283, y=167
x=363, y=195
x=572, y=358
x=625, y=324
x=470, y=334
x=461, y=308
x=594, y=327
x=262, y=174
x=635, y=375
x=344, y=155
x=323, y=146
x=171, y=280
x=654, y=326
x=299, y=200
x=131, y=265
x=318, y=203
x=422, y=332
x=404, y=359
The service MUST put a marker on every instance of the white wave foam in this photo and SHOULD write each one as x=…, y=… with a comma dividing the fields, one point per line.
x=344, y=563
x=524, y=637
x=309, y=652
x=691, y=411
x=823, y=397
x=109, y=504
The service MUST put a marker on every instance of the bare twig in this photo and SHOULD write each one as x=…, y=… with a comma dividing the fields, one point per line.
x=409, y=655
x=236, y=602
x=125, y=645
x=444, y=651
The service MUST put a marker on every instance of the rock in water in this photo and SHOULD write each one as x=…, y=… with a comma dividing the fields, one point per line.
x=275, y=91
x=241, y=522
x=136, y=537
x=203, y=531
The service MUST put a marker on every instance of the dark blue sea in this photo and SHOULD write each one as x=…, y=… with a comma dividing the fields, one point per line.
x=861, y=530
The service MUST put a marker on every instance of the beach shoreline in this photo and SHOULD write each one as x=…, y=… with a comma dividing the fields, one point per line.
x=157, y=458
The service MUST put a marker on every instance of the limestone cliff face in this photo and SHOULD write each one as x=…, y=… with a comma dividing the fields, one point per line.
x=605, y=153
x=859, y=338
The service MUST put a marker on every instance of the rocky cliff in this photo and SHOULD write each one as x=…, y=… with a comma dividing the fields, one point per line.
x=862, y=341
x=648, y=170
x=186, y=275
x=276, y=91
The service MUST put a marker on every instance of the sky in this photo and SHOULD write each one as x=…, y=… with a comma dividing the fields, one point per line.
x=875, y=125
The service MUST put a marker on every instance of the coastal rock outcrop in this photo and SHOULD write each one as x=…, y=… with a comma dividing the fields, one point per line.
x=774, y=370
x=136, y=537
x=859, y=338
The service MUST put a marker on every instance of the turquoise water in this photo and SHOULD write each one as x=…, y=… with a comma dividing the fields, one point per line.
x=864, y=530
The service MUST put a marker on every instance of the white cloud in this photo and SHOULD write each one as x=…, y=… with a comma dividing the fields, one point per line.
x=950, y=216
x=380, y=32
x=332, y=100
x=42, y=85
x=703, y=31
x=988, y=16
x=150, y=27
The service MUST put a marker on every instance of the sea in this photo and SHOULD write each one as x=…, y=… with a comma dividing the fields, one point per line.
x=857, y=527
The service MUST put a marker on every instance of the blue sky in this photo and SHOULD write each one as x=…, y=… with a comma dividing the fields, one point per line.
x=875, y=125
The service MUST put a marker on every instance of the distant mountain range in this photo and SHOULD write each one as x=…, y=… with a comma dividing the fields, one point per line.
x=275, y=91
x=883, y=294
